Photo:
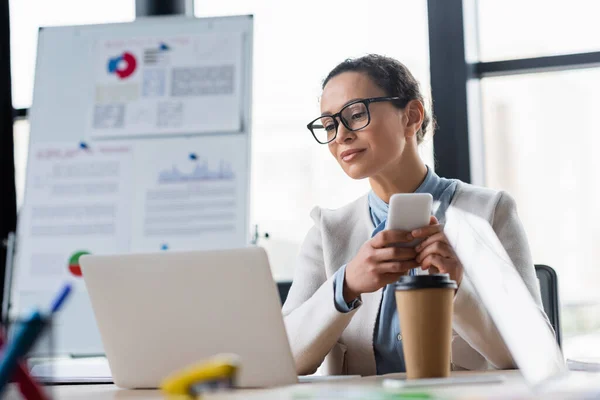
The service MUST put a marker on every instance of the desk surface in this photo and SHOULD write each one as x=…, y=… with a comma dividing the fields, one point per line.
x=514, y=385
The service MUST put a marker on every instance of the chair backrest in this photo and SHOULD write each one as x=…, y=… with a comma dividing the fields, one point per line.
x=549, y=289
x=284, y=288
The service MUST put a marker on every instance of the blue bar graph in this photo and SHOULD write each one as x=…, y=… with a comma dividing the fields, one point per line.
x=201, y=172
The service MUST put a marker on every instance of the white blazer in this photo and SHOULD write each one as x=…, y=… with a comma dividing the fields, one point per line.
x=342, y=343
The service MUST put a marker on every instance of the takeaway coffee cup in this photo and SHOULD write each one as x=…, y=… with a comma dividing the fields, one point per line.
x=425, y=305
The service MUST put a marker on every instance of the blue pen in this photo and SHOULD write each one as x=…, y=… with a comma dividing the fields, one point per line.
x=60, y=298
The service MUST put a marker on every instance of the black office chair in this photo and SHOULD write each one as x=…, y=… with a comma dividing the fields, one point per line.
x=549, y=288
x=284, y=288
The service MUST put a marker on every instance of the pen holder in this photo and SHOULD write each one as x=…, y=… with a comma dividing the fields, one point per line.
x=20, y=380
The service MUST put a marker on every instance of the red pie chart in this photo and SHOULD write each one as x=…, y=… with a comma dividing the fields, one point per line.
x=74, y=267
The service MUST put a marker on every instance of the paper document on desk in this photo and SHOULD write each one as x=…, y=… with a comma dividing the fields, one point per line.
x=325, y=378
x=77, y=370
x=584, y=364
x=505, y=296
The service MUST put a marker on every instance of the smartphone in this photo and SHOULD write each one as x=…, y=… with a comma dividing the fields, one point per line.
x=409, y=211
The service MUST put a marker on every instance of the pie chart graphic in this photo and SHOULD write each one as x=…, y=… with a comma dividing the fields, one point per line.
x=74, y=267
x=123, y=65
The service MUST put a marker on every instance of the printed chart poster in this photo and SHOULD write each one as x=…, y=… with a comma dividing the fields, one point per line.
x=78, y=201
x=192, y=194
x=167, y=86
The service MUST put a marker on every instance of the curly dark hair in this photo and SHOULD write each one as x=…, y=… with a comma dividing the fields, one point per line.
x=390, y=75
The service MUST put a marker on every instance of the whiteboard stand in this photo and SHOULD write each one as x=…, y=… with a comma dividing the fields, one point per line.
x=256, y=236
x=10, y=245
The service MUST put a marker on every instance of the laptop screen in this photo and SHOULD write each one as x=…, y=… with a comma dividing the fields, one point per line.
x=505, y=296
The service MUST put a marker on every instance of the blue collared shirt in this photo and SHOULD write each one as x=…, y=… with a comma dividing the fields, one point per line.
x=387, y=340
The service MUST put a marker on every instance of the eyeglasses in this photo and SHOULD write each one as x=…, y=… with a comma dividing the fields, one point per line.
x=355, y=116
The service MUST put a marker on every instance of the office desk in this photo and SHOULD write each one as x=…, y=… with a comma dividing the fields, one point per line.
x=513, y=387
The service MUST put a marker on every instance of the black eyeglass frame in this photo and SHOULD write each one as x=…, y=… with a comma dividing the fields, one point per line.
x=338, y=115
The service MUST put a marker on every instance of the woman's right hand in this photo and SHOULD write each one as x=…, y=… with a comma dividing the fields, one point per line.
x=378, y=263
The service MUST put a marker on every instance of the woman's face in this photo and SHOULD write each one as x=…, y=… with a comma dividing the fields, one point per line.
x=366, y=152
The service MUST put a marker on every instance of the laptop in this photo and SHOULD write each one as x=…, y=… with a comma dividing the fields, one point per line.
x=158, y=313
x=511, y=306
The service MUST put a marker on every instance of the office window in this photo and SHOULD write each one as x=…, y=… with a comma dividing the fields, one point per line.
x=541, y=144
x=21, y=140
x=295, y=45
x=511, y=29
x=26, y=16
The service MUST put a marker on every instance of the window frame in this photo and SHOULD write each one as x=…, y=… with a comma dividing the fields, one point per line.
x=456, y=74
x=8, y=196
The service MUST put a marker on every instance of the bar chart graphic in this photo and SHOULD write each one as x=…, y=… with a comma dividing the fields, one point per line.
x=202, y=172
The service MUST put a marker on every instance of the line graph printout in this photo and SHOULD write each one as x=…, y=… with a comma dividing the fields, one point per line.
x=78, y=201
x=194, y=198
x=167, y=85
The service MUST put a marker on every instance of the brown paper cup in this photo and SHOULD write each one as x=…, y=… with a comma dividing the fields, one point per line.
x=425, y=306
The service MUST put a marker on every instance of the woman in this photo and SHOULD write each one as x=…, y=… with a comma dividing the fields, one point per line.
x=340, y=313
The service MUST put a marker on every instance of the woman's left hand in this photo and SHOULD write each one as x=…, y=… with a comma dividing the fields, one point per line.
x=435, y=252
